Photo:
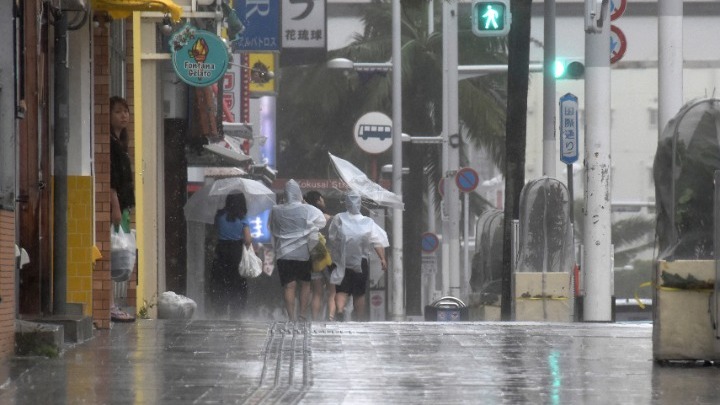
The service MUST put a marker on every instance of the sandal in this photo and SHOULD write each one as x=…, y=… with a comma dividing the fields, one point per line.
x=117, y=315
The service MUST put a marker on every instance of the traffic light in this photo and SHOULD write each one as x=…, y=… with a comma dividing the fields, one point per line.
x=569, y=70
x=491, y=18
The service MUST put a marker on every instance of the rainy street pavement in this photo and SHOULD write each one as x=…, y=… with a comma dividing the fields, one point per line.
x=209, y=362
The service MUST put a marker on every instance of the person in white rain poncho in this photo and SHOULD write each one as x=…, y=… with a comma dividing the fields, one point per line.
x=350, y=239
x=294, y=226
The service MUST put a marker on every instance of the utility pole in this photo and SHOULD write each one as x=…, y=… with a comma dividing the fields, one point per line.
x=670, y=61
x=549, y=90
x=597, y=254
x=451, y=152
x=397, y=283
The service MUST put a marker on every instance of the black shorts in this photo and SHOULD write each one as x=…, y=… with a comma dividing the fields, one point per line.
x=355, y=283
x=291, y=270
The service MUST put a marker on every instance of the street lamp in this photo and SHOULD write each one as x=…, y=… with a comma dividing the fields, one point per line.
x=348, y=65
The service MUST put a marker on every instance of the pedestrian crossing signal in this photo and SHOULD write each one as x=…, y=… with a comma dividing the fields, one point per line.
x=491, y=18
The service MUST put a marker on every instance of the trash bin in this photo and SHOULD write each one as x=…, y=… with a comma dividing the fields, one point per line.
x=447, y=309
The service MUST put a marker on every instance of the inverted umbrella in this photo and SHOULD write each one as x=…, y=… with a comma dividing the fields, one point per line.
x=203, y=205
x=359, y=181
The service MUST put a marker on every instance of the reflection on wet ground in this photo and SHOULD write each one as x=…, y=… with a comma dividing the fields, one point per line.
x=205, y=362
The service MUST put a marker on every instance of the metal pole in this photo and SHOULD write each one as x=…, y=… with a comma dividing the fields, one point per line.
x=465, y=276
x=60, y=158
x=670, y=60
x=398, y=291
x=597, y=253
x=452, y=195
x=549, y=90
x=445, y=219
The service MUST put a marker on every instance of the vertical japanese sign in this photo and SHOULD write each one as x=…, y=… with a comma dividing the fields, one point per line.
x=261, y=19
x=304, y=32
x=232, y=88
x=569, y=128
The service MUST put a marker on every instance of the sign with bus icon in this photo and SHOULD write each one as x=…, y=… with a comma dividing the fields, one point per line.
x=373, y=133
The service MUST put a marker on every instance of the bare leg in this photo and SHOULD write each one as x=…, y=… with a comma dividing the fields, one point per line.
x=331, y=301
x=340, y=301
x=289, y=295
x=360, y=307
x=317, y=297
x=305, y=293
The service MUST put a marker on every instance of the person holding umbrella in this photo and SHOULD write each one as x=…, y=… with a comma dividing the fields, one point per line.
x=227, y=290
x=293, y=225
x=351, y=237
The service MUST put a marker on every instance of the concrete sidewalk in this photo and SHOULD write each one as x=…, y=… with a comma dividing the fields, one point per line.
x=207, y=362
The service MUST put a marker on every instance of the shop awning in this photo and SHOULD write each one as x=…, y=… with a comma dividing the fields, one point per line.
x=124, y=8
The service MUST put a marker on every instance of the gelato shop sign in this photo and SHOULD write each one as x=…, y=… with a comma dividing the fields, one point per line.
x=200, y=58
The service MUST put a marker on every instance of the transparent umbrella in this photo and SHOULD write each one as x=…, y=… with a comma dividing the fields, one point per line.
x=359, y=181
x=203, y=205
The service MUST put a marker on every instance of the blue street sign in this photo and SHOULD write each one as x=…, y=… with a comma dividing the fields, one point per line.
x=569, y=131
x=261, y=20
x=429, y=242
x=467, y=179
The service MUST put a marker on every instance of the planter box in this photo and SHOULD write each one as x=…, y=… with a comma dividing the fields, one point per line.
x=545, y=297
x=483, y=312
x=682, y=320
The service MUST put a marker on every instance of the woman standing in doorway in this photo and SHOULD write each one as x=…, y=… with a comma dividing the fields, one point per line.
x=122, y=187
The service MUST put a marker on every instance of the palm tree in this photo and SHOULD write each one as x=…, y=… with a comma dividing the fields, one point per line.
x=317, y=109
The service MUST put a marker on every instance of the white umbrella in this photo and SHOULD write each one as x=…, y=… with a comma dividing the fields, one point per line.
x=203, y=205
x=359, y=181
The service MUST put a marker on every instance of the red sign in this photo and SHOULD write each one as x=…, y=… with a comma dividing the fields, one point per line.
x=618, y=44
x=467, y=179
x=617, y=8
x=376, y=300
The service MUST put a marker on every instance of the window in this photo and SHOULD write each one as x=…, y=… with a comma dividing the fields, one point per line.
x=118, y=59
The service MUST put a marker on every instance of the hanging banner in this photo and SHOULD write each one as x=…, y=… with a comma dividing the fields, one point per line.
x=200, y=58
x=262, y=73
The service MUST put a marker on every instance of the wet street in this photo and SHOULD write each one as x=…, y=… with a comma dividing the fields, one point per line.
x=210, y=362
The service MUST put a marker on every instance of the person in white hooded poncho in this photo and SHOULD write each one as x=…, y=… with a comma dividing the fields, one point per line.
x=294, y=226
x=351, y=237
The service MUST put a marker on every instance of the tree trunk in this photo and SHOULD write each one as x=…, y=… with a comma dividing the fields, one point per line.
x=515, y=137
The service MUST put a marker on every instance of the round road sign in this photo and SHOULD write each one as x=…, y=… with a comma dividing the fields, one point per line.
x=618, y=44
x=467, y=179
x=429, y=242
x=376, y=300
x=617, y=8
x=373, y=132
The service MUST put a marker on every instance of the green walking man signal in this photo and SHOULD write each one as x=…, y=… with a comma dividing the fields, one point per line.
x=491, y=18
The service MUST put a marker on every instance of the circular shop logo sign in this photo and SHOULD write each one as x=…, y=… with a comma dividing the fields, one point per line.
x=200, y=58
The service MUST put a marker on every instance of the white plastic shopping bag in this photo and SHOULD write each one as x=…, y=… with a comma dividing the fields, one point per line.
x=250, y=264
x=123, y=254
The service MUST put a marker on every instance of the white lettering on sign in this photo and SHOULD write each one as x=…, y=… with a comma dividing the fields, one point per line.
x=261, y=7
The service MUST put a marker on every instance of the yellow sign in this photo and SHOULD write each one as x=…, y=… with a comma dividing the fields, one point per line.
x=262, y=73
x=124, y=8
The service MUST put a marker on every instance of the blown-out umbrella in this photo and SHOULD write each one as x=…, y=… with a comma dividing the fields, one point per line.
x=359, y=181
x=203, y=205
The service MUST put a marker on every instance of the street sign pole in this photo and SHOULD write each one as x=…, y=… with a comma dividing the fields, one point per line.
x=467, y=180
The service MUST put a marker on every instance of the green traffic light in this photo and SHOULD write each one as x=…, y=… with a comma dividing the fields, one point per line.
x=491, y=16
x=571, y=70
